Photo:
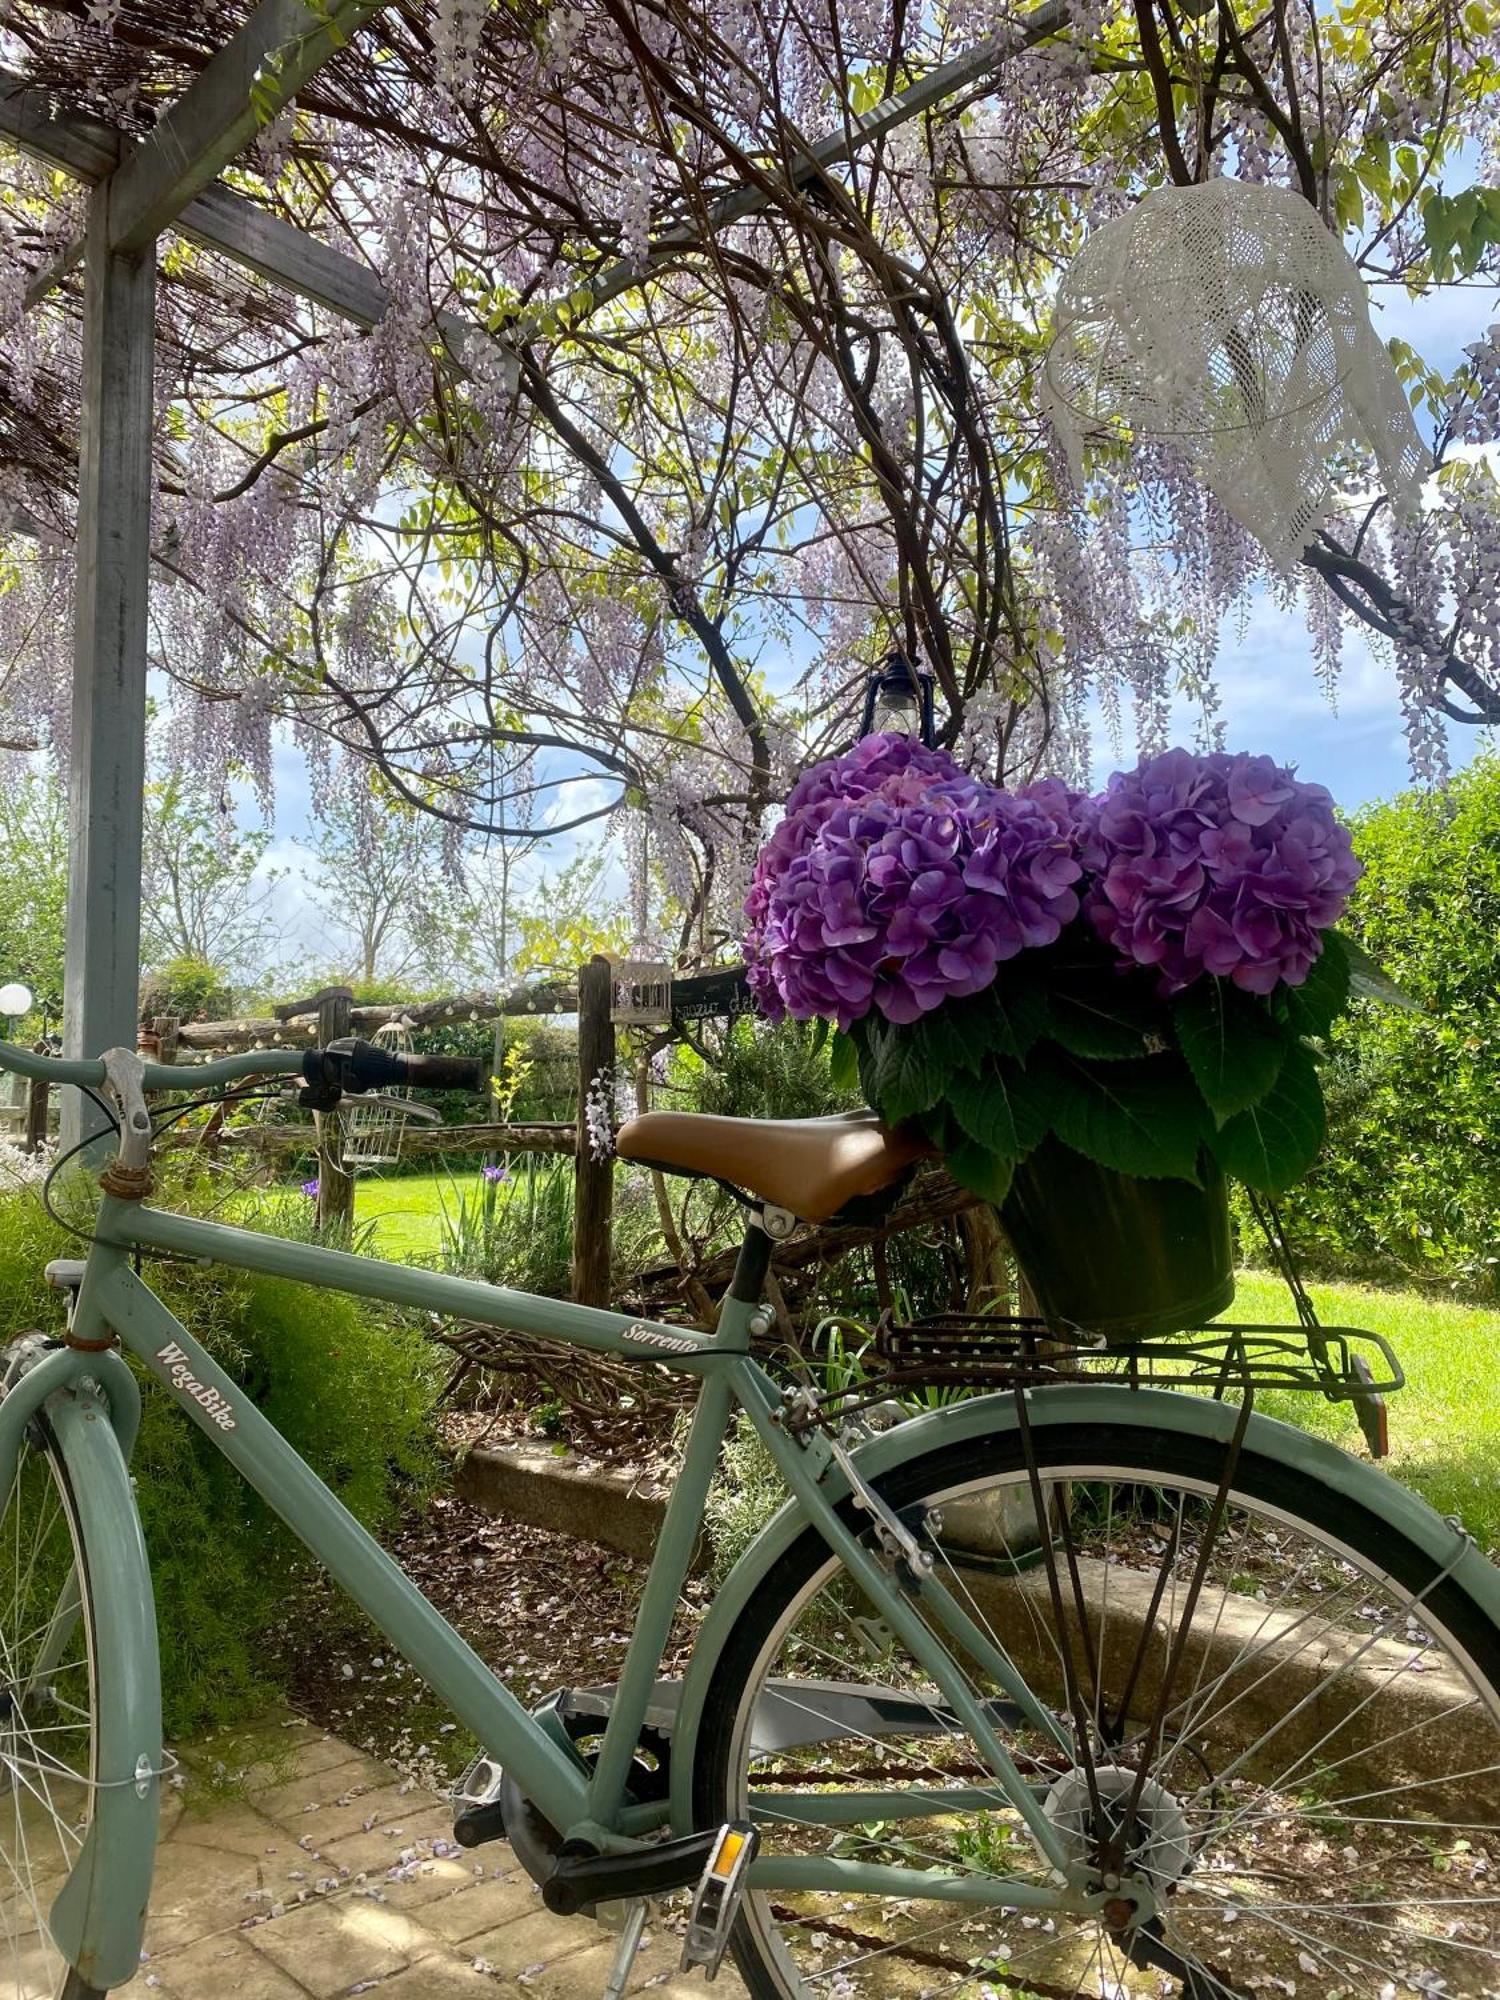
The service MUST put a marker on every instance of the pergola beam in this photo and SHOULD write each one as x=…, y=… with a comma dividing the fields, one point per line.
x=217, y=218
x=259, y=70
x=67, y=140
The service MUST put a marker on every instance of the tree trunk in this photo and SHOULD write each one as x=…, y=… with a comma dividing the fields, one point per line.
x=593, y=1180
x=335, y=1187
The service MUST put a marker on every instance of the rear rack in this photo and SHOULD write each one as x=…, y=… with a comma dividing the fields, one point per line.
x=1343, y=1364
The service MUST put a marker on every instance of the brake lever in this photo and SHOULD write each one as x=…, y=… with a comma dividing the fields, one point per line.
x=404, y=1107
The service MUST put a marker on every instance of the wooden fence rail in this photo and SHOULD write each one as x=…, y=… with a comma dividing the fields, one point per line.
x=296, y=1024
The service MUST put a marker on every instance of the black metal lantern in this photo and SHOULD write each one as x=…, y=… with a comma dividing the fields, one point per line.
x=898, y=702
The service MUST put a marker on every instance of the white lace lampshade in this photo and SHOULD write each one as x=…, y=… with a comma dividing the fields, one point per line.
x=1224, y=319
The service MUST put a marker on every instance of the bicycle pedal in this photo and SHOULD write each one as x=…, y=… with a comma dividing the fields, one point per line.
x=716, y=1902
x=476, y=1794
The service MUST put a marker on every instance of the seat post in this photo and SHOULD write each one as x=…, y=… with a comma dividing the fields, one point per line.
x=747, y=1286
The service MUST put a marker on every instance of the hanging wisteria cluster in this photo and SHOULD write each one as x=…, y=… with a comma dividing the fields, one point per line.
x=625, y=549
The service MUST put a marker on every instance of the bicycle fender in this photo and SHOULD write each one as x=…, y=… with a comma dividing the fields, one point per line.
x=1120, y=1408
x=99, y=1916
x=55, y=1372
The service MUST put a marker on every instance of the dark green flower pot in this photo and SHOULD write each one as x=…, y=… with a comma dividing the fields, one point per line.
x=1115, y=1255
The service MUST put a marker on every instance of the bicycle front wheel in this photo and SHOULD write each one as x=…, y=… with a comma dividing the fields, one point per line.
x=47, y=1711
x=1273, y=1722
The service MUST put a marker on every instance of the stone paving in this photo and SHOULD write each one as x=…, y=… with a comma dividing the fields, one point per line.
x=335, y=1877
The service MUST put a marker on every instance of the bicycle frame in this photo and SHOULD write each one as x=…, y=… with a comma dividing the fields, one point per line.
x=582, y=1803
x=100, y=1932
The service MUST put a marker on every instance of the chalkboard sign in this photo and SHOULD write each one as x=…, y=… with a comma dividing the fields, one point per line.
x=705, y=996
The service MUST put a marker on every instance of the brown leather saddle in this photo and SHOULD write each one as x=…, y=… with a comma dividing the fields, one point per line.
x=811, y=1166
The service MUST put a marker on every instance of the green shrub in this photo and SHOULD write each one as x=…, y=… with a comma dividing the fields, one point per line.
x=746, y=1492
x=195, y=989
x=348, y=1384
x=1409, y=1182
x=757, y=1070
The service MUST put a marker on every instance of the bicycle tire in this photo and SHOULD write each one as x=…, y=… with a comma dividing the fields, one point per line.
x=773, y=1941
x=40, y=1525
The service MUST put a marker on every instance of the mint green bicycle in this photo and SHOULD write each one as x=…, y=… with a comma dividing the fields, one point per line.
x=1081, y=1685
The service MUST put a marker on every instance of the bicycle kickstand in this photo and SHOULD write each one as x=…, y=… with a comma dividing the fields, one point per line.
x=630, y=1943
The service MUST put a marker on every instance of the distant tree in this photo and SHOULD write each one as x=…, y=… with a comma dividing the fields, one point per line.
x=391, y=890
x=206, y=898
x=571, y=915
x=34, y=888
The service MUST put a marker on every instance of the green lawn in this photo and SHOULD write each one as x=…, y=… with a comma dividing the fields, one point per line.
x=408, y=1211
x=1445, y=1425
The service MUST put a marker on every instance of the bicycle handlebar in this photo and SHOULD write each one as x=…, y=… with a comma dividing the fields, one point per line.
x=348, y=1065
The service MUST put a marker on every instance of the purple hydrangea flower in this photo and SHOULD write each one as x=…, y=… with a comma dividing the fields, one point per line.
x=897, y=881
x=1217, y=864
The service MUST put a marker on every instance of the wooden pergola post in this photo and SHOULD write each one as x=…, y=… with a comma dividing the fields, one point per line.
x=108, y=763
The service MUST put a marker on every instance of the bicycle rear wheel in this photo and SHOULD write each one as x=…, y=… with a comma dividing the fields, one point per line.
x=47, y=1711
x=1311, y=1795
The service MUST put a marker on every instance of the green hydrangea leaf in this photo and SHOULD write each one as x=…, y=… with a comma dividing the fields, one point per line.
x=1004, y=1020
x=984, y=1173
x=1231, y=1042
x=1104, y=1016
x=843, y=1061
x=946, y=1043
x=1273, y=1143
x=900, y=1075
x=1316, y=1004
x=1003, y=1109
x=1142, y=1117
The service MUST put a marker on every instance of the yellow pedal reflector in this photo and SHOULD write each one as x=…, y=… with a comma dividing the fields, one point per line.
x=730, y=1848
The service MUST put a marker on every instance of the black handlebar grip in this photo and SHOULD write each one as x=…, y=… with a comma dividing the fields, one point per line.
x=446, y=1072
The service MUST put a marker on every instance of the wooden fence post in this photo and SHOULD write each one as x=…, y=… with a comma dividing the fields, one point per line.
x=165, y=1027
x=335, y=1187
x=593, y=1180
x=37, y=1093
